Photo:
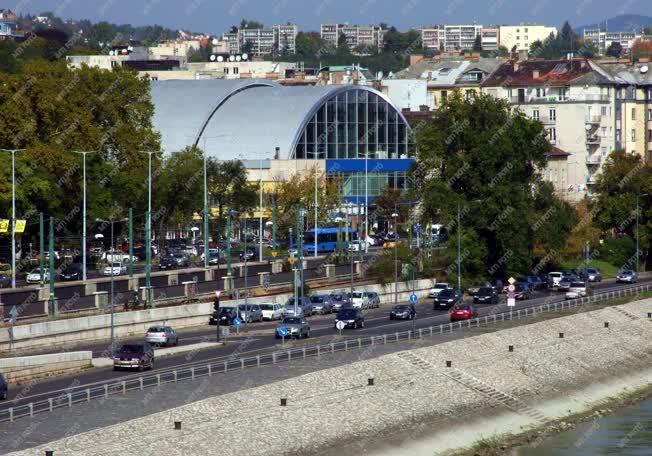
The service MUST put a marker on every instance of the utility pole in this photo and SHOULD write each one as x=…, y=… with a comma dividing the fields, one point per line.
x=395, y=216
x=349, y=228
x=51, y=299
x=13, y=213
x=228, y=244
x=459, y=250
x=206, y=214
x=260, y=220
x=131, y=243
x=148, y=232
x=83, y=154
x=41, y=241
x=316, y=242
x=637, y=236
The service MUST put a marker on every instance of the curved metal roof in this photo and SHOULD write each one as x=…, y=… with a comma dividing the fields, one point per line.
x=234, y=119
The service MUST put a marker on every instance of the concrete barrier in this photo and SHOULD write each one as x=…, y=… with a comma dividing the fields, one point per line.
x=23, y=369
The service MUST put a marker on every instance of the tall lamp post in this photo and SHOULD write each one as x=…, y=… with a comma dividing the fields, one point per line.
x=13, y=213
x=83, y=154
x=395, y=217
x=148, y=231
x=349, y=228
x=638, y=255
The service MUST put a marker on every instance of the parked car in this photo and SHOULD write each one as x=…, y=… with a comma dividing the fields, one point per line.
x=115, y=269
x=356, y=246
x=352, y=318
x=358, y=299
x=182, y=260
x=304, y=307
x=224, y=316
x=321, y=304
x=167, y=262
x=522, y=291
x=5, y=281
x=463, y=312
x=626, y=276
x=34, y=276
x=248, y=255
x=526, y=281
x=271, y=311
x=566, y=280
x=403, y=312
x=251, y=313
x=338, y=300
x=162, y=335
x=473, y=289
x=447, y=298
x=536, y=282
x=3, y=388
x=134, y=356
x=118, y=257
x=437, y=288
x=295, y=327
x=576, y=290
x=74, y=271
x=592, y=275
x=553, y=279
x=373, y=299
x=486, y=295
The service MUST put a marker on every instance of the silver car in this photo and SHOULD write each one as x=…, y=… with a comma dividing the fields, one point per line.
x=593, y=275
x=373, y=299
x=321, y=304
x=251, y=312
x=627, y=276
x=304, y=308
x=162, y=335
x=293, y=327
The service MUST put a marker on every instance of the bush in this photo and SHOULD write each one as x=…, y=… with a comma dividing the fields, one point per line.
x=618, y=251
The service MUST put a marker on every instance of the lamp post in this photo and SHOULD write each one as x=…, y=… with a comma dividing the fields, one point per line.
x=315, y=212
x=13, y=213
x=148, y=231
x=349, y=229
x=366, y=202
x=395, y=217
x=638, y=195
x=83, y=154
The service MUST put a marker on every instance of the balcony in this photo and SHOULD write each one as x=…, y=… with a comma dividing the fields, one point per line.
x=591, y=180
x=593, y=119
x=592, y=139
x=593, y=160
x=547, y=120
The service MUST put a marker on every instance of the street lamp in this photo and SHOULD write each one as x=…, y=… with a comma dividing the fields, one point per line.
x=148, y=231
x=637, y=236
x=395, y=216
x=83, y=154
x=13, y=213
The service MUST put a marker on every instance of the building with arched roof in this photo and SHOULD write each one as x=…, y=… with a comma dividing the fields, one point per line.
x=279, y=129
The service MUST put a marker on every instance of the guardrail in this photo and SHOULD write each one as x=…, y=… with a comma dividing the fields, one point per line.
x=156, y=379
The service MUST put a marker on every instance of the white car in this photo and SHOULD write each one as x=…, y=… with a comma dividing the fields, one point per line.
x=554, y=278
x=356, y=246
x=358, y=299
x=115, y=269
x=434, y=291
x=35, y=276
x=576, y=290
x=272, y=311
x=118, y=257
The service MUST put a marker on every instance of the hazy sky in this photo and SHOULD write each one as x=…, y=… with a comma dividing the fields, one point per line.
x=214, y=16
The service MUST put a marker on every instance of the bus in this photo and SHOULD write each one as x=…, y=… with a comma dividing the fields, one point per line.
x=326, y=239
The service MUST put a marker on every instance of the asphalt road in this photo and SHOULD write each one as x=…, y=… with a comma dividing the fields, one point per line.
x=259, y=338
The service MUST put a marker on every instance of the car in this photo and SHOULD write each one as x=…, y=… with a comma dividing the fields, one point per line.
x=536, y=282
x=74, y=271
x=526, y=281
x=182, y=260
x=321, y=304
x=251, y=313
x=3, y=388
x=338, y=300
x=576, y=290
x=246, y=255
x=553, y=279
x=356, y=246
x=626, y=276
x=522, y=291
x=463, y=312
x=373, y=299
x=167, y=262
x=592, y=275
x=162, y=335
x=447, y=298
x=403, y=312
x=358, y=299
x=566, y=280
x=294, y=326
x=5, y=281
x=114, y=269
x=34, y=276
x=224, y=316
x=134, y=356
x=473, y=289
x=437, y=288
x=304, y=307
x=118, y=257
x=486, y=295
x=271, y=311
x=390, y=243
x=352, y=318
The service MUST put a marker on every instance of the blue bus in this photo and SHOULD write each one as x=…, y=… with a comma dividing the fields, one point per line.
x=326, y=239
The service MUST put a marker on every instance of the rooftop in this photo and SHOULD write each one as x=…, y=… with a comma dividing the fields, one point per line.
x=535, y=72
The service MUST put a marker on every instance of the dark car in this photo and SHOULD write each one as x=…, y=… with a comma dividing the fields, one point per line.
x=134, y=356
x=248, y=255
x=3, y=388
x=5, y=281
x=486, y=295
x=403, y=312
x=167, y=262
x=338, y=300
x=352, y=318
x=447, y=298
x=224, y=316
x=523, y=291
x=536, y=281
x=72, y=272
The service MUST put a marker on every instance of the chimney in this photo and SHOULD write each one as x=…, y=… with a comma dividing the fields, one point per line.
x=424, y=108
x=535, y=74
x=415, y=58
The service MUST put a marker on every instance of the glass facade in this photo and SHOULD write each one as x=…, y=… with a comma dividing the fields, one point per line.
x=355, y=124
x=353, y=184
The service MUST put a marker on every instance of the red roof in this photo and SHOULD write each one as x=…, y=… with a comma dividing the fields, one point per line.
x=534, y=72
x=556, y=152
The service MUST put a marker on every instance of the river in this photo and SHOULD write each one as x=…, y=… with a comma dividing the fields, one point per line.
x=628, y=432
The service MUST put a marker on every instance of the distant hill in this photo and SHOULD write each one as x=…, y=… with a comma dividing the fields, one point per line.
x=624, y=22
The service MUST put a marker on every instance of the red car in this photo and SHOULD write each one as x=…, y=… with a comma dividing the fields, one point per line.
x=463, y=312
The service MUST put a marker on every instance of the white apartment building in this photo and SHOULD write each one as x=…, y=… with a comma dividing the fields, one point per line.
x=356, y=35
x=460, y=37
x=433, y=38
x=604, y=38
x=490, y=38
x=523, y=35
x=277, y=40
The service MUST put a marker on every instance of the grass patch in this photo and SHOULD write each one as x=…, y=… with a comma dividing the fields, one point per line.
x=487, y=446
x=607, y=269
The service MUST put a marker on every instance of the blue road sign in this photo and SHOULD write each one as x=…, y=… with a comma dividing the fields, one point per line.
x=282, y=332
x=237, y=321
x=413, y=298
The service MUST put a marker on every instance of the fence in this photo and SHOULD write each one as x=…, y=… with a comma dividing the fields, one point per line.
x=203, y=369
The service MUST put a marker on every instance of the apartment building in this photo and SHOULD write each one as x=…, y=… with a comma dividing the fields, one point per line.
x=433, y=38
x=576, y=102
x=523, y=35
x=460, y=37
x=490, y=38
x=285, y=38
x=280, y=39
x=604, y=38
x=367, y=35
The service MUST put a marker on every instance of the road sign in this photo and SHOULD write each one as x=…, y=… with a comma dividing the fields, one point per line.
x=282, y=331
x=274, y=253
x=413, y=298
x=13, y=313
x=237, y=321
x=511, y=302
x=511, y=280
x=292, y=260
x=225, y=331
x=511, y=288
x=4, y=225
x=340, y=325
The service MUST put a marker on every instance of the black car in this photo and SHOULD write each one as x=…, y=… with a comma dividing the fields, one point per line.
x=486, y=295
x=5, y=281
x=447, y=298
x=523, y=291
x=403, y=312
x=72, y=272
x=134, y=356
x=167, y=262
x=3, y=388
x=224, y=316
x=352, y=318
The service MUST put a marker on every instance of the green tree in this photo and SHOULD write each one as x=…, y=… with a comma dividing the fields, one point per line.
x=615, y=49
x=246, y=24
x=477, y=44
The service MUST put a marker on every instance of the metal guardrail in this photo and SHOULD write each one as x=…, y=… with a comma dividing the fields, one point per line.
x=156, y=379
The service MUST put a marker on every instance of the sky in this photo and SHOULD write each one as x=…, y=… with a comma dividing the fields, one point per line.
x=215, y=16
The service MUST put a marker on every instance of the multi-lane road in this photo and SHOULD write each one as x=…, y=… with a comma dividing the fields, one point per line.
x=259, y=338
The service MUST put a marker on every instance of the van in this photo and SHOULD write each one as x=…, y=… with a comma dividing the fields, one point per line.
x=554, y=278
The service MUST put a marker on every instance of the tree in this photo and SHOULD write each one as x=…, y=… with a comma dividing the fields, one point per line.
x=641, y=48
x=248, y=47
x=311, y=46
x=387, y=202
x=252, y=25
x=536, y=48
x=615, y=49
x=502, y=51
x=484, y=158
x=477, y=44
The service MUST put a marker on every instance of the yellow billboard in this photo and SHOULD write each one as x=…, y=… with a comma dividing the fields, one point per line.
x=20, y=226
x=4, y=226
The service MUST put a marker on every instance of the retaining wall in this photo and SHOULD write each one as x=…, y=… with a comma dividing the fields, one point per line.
x=20, y=370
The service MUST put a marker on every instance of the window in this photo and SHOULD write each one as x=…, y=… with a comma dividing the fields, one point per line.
x=444, y=94
x=535, y=114
x=633, y=113
x=552, y=134
x=553, y=114
x=603, y=111
x=649, y=135
x=649, y=114
x=236, y=70
x=603, y=150
x=603, y=132
x=226, y=71
x=633, y=134
x=526, y=30
x=470, y=94
x=538, y=91
x=618, y=134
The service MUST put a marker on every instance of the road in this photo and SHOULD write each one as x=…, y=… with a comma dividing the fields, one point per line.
x=259, y=338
